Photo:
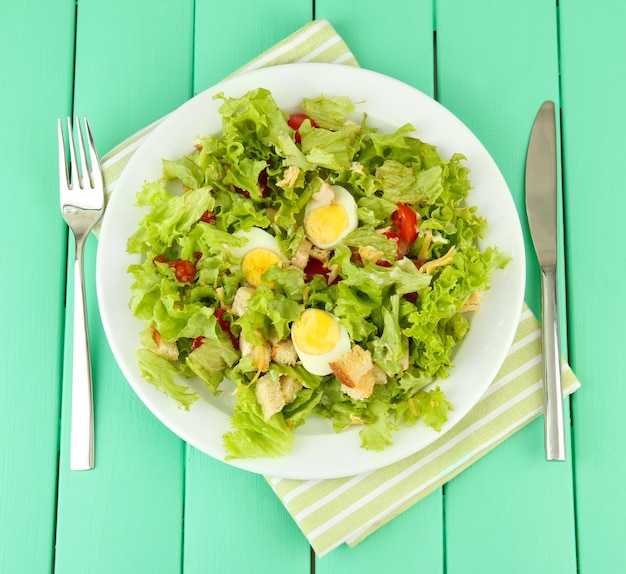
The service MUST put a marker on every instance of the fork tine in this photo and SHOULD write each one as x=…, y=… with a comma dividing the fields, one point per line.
x=75, y=178
x=96, y=174
x=85, y=177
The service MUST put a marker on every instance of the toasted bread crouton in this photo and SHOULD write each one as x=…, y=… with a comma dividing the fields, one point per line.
x=166, y=349
x=274, y=395
x=284, y=353
x=290, y=177
x=241, y=300
x=355, y=371
x=269, y=395
x=260, y=354
x=301, y=258
x=290, y=387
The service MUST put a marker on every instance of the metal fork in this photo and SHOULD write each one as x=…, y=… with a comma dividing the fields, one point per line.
x=82, y=204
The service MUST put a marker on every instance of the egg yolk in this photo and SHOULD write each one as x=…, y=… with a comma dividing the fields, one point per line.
x=315, y=332
x=256, y=262
x=324, y=225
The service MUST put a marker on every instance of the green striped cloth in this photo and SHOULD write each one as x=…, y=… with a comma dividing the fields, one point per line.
x=346, y=510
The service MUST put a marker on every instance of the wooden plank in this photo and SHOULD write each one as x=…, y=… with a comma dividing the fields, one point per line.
x=235, y=523
x=511, y=511
x=400, y=45
x=34, y=275
x=225, y=41
x=401, y=48
x=592, y=55
x=220, y=499
x=126, y=515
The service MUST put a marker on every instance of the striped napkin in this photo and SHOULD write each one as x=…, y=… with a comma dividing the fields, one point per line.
x=346, y=510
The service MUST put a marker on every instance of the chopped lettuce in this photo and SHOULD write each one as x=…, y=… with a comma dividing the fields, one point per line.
x=405, y=311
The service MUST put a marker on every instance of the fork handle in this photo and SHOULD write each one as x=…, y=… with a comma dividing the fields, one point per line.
x=81, y=442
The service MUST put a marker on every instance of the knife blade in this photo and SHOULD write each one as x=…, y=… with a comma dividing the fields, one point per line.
x=541, y=209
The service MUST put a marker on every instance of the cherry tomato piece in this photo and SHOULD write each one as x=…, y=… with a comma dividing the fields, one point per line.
x=243, y=192
x=316, y=267
x=295, y=121
x=184, y=271
x=225, y=326
x=403, y=246
x=265, y=190
x=208, y=217
x=196, y=342
x=404, y=220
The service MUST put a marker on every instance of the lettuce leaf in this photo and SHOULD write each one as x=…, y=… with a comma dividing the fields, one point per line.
x=251, y=435
x=162, y=373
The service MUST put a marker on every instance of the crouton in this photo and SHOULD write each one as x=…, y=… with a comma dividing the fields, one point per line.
x=289, y=387
x=241, y=300
x=269, y=395
x=273, y=395
x=355, y=371
x=284, y=353
x=166, y=349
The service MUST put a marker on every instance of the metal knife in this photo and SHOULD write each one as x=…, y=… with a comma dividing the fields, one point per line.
x=541, y=205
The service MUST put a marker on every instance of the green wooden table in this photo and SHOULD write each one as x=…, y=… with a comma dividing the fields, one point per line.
x=154, y=504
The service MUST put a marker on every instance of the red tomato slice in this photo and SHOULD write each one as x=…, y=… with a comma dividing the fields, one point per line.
x=404, y=220
x=316, y=267
x=225, y=326
x=295, y=121
x=403, y=246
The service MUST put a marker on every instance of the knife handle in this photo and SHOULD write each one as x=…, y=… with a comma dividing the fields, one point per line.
x=553, y=393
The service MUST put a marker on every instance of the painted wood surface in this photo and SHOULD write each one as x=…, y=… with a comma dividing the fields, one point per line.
x=154, y=504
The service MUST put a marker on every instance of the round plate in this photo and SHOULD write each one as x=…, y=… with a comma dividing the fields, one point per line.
x=319, y=452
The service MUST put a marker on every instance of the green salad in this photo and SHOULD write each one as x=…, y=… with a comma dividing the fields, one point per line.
x=311, y=266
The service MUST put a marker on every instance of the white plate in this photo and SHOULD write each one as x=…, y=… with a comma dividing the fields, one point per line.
x=318, y=452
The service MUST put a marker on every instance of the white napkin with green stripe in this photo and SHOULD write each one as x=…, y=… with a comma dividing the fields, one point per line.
x=331, y=512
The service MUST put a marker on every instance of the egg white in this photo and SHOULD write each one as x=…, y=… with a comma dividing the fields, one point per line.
x=260, y=240
x=343, y=198
x=319, y=364
x=257, y=238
